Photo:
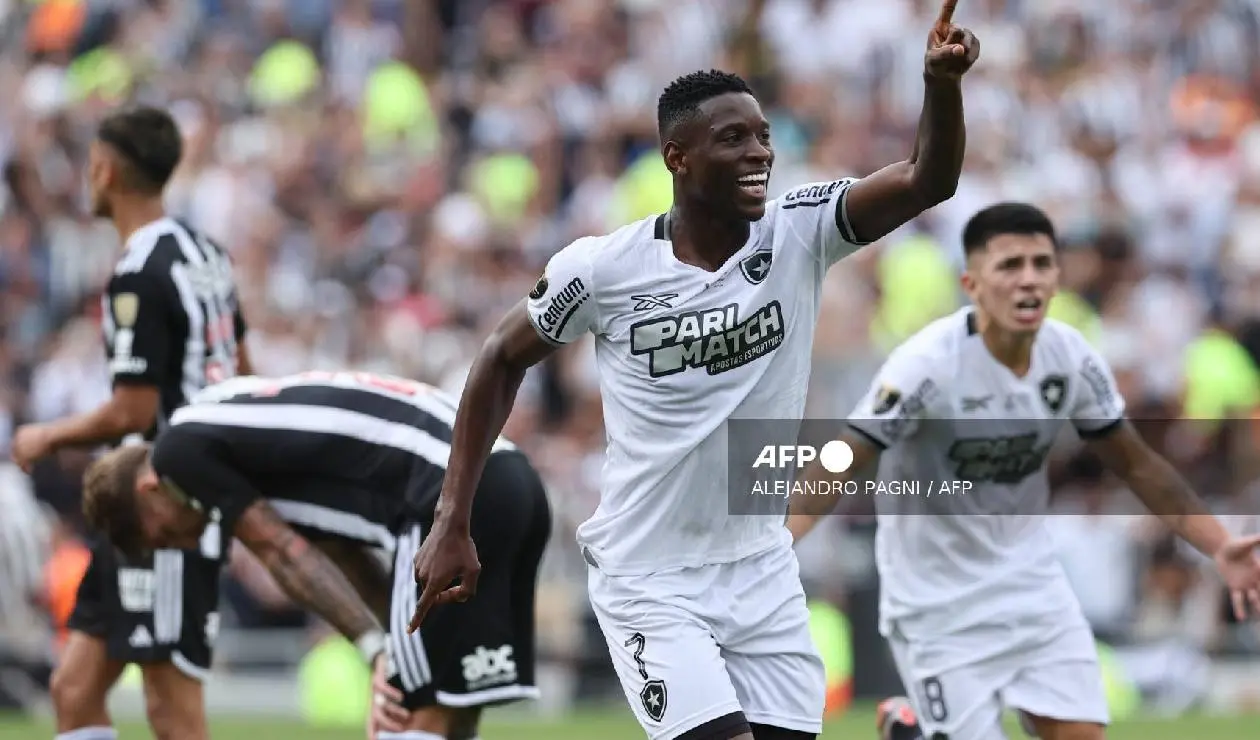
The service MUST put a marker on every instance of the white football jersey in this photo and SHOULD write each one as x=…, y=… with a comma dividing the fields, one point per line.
x=681, y=350
x=944, y=410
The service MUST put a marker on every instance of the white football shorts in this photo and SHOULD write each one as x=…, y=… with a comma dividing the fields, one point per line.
x=959, y=684
x=694, y=644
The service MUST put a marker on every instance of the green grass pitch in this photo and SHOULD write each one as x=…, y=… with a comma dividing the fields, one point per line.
x=616, y=724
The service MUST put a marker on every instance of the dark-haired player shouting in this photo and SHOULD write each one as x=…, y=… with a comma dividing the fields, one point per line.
x=172, y=325
x=700, y=315
x=974, y=603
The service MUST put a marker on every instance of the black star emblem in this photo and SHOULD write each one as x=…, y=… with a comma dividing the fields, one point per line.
x=1054, y=392
x=654, y=698
x=756, y=266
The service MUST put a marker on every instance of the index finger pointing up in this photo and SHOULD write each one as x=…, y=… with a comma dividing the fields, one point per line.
x=947, y=13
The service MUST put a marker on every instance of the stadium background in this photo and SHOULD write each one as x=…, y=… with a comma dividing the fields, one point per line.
x=391, y=176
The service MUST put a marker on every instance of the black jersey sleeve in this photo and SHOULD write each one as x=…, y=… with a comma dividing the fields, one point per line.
x=141, y=328
x=196, y=467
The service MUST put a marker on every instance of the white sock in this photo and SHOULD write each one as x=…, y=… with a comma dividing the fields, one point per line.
x=412, y=735
x=89, y=733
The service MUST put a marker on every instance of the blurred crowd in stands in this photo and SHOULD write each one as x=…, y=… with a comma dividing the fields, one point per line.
x=390, y=176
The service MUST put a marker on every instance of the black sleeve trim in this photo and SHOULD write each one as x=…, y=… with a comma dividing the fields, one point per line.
x=881, y=444
x=1100, y=432
x=842, y=217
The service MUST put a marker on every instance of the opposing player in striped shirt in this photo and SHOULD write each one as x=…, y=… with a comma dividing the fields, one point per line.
x=348, y=459
x=172, y=325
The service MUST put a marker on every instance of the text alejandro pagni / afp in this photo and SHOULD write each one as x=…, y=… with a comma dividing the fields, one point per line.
x=866, y=488
x=837, y=457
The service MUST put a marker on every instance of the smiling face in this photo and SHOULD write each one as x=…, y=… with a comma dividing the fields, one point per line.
x=722, y=158
x=1012, y=279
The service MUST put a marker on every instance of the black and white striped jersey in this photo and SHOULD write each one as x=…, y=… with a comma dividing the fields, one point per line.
x=171, y=315
x=352, y=454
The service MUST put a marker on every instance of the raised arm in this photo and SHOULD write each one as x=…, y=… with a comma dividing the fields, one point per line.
x=883, y=201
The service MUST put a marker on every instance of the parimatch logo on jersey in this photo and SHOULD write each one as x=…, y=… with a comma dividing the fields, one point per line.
x=715, y=339
x=999, y=459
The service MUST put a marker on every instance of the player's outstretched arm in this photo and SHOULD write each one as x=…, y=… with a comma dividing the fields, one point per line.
x=1156, y=482
x=883, y=201
x=805, y=511
x=448, y=552
x=309, y=577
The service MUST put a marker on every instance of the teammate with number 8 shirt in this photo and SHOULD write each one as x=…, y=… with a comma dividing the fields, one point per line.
x=348, y=461
x=973, y=601
x=701, y=315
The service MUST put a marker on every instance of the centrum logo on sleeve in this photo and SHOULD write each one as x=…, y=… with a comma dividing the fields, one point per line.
x=836, y=457
x=562, y=306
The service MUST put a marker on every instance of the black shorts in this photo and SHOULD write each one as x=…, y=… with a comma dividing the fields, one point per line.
x=480, y=652
x=162, y=608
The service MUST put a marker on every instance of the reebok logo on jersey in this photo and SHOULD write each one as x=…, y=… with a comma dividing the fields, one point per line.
x=489, y=667
x=714, y=339
x=649, y=302
x=976, y=403
x=563, y=305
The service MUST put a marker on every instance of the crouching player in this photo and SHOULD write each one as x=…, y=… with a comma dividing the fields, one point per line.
x=343, y=459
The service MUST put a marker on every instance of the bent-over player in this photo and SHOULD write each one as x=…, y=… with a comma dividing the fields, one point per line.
x=974, y=603
x=700, y=315
x=359, y=457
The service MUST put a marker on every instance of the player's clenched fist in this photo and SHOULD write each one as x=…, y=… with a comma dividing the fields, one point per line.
x=951, y=50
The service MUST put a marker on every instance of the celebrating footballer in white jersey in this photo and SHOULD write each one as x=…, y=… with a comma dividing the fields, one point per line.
x=974, y=604
x=700, y=315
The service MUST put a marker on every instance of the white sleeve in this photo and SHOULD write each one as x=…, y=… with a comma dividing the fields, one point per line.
x=817, y=214
x=562, y=304
x=1098, y=406
x=900, y=397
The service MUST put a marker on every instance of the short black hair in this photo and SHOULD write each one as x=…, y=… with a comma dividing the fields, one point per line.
x=681, y=98
x=148, y=139
x=1005, y=218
